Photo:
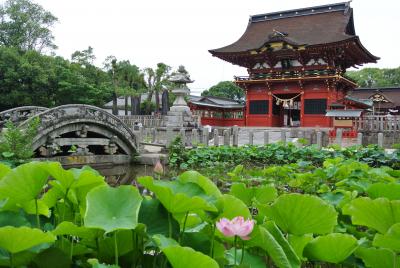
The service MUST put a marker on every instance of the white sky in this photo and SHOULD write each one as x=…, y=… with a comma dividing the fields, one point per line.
x=181, y=32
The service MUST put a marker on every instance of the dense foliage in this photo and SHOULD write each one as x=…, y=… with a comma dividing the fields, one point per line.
x=223, y=157
x=342, y=215
x=375, y=77
x=225, y=89
x=16, y=144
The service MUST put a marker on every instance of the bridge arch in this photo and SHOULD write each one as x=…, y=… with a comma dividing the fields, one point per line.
x=78, y=120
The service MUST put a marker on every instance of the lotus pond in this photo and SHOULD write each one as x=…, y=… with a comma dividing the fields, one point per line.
x=334, y=212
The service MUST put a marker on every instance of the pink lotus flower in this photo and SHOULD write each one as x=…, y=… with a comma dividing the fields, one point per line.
x=236, y=227
x=158, y=168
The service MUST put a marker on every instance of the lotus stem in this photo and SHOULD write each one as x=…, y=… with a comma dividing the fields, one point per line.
x=169, y=225
x=116, y=248
x=212, y=241
x=11, y=260
x=71, y=253
x=234, y=244
x=241, y=259
x=184, y=227
x=37, y=214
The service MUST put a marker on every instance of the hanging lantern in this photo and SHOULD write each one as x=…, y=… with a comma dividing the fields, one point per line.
x=277, y=102
x=291, y=103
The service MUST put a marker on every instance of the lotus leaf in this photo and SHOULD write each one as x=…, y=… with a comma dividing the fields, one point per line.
x=24, y=183
x=262, y=194
x=17, y=239
x=10, y=218
x=379, y=214
x=183, y=257
x=178, y=197
x=302, y=214
x=333, y=248
x=378, y=257
x=233, y=207
x=206, y=184
x=111, y=209
x=260, y=237
x=389, y=190
x=95, y=264
x=390, y=240
x=155, y=217
x=249, y=260
x=298, y=243
x=68, y=228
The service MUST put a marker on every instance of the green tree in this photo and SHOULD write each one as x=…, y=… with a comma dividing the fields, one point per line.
x=154, y=81
x=84, y=57
x=375, y=77
x=225, y=89
x=26, y=25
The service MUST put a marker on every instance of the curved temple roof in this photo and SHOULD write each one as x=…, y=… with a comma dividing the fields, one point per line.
x=307, y=26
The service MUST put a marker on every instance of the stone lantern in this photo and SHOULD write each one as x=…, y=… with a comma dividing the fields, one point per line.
x=180, y=114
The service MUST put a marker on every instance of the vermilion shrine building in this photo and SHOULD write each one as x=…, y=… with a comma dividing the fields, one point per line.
x=296, y=62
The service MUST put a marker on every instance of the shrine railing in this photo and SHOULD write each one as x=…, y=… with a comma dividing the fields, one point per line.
x=378, y=123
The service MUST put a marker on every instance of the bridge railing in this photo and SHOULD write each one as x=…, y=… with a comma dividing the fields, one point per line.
x=20, y=114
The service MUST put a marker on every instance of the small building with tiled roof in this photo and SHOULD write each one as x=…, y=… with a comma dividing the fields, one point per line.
x=217, y=111
x=385, y=99
x=296, y=60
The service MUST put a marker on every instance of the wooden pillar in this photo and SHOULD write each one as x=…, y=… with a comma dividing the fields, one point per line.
x=302, y=110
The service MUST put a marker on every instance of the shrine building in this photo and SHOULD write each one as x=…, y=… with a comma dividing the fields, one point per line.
x=296, y=61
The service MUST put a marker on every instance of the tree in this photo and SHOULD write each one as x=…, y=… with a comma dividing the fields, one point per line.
x=26, y=25
x=225, y=89
x=154, y=81
x=375, y=77
x=84, y=57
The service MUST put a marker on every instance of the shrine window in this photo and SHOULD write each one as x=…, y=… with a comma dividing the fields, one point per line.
x=315, y=106
x=259, y=107
x=286, y=64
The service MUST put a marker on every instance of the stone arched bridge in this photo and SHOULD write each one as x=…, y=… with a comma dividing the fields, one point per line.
x=74, y=129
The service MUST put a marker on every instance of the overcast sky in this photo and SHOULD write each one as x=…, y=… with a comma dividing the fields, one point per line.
x=181, y=32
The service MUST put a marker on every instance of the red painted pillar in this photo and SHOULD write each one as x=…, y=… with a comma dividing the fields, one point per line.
x=302, y=110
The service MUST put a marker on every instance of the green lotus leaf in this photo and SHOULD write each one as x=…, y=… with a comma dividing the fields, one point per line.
x=287, y=248
x=63, y=179
x=76, y=249
x=205, y=183
x=10, y=218
x=42, y=208
x=249, y=260
x=163, y=242
x=24, y=183
x=298, y=243
x=379, y=214
x=178, y=197
x=183, y=257
x=260, y=237
x=4, y=169
x=125, y=244
x=302, y=214
x=333, y=248
x=390, y=240
x=155, y=217
x=52, y=257
x=68, y=228
x=95, y=264
x=389, y=190
x=233, y=207
x=262, y=194
x=111, y=209
x=17, y=239
x=378, y=257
